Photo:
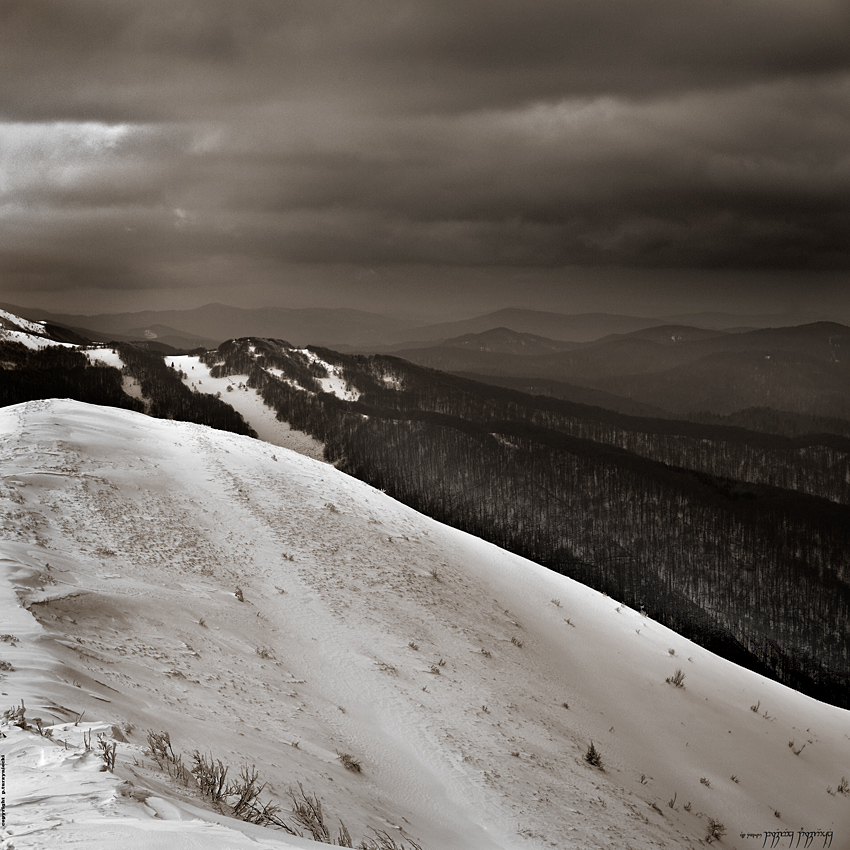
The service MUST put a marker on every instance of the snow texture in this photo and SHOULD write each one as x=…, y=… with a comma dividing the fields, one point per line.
x=467, y=681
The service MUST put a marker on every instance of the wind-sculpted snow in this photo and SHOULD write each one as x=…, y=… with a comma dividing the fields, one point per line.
x=467, y=682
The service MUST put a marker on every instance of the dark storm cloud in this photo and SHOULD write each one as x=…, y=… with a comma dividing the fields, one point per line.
x=170, y=58
x=148, y=143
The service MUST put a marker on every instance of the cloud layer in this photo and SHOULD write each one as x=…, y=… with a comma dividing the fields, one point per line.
x=147, y=144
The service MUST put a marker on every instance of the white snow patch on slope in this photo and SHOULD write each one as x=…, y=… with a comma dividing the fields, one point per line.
x=149, y=525
x=26, y=332
x=334, y=384
x=21, y=323
x=104, y=357
x=36, y=343
x=249, y=403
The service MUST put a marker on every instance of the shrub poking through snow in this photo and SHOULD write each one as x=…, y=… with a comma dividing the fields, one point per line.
x=211, y=776
x=756, y=707
x=242, y=794
x=16, y=716
x=592, y=756
x=307, y=813
x=159, y=747
x=714, y=830
x=843, y=787
x=238, y=594
x=350, y=762
x=704, y=781
x=677, y=679
x=106, y=752
x=246, y=789
x=41, y=729
x=384, y=841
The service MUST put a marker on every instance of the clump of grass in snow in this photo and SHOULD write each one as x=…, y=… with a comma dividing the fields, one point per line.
x=107, y=752
x=714, y=830
x=349, y=762
x=677, y=679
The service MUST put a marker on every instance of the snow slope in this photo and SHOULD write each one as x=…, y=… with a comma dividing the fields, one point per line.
x=122, y=542
x=248, y=402
x=31, y=334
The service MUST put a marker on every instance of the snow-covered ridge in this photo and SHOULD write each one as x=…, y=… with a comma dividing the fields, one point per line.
x=20, y=323
x=124, y=539
x=31, y=334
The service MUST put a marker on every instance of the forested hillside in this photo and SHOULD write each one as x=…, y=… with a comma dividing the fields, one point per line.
x=60, y=372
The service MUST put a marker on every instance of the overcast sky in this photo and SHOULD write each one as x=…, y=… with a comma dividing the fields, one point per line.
x=426, y=155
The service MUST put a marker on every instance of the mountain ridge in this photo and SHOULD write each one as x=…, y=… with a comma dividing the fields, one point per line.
x=128, y=597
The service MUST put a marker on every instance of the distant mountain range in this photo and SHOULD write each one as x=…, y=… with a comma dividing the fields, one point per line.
x=358, y=330
x=215, y=323
x=683, y=370
x=653, y=369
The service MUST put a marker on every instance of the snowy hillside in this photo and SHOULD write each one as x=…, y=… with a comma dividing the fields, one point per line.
x=33, y=335
x=465, y=682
